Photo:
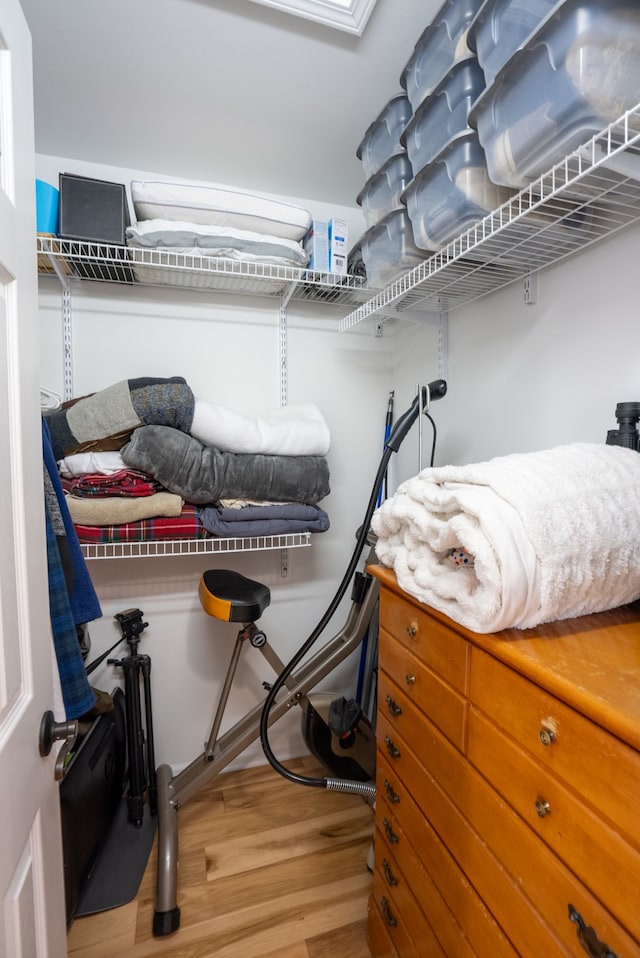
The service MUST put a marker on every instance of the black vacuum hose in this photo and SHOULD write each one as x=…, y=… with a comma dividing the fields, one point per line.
x=433, y=391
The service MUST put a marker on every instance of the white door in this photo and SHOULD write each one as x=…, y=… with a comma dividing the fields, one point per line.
x=32, y=915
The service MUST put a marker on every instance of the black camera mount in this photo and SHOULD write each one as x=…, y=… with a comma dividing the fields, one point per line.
x=628, y=415
x=140, y=747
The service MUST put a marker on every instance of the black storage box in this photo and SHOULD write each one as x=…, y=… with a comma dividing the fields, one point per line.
x=93, y=210
x=96, y=211
x=90, y=794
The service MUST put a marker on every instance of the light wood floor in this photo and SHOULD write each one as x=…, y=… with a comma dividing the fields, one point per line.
x=268, y=869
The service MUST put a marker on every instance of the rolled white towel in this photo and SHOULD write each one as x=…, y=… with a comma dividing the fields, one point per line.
x=553, y=534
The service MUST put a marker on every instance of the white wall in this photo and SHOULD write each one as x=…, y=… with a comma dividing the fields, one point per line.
x=526, y=377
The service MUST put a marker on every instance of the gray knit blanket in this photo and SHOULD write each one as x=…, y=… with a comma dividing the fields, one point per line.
x=202, y=474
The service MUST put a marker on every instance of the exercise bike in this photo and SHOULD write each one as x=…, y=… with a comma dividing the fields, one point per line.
x=231, y=597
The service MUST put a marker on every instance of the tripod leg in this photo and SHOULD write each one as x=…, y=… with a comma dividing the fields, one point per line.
x=166, y=918
x=148, y=713
x=135, y=739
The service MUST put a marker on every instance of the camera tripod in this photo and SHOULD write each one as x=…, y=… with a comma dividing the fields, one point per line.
x=140, y=748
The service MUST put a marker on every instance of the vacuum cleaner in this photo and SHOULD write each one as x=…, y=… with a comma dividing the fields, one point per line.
x=327, y=721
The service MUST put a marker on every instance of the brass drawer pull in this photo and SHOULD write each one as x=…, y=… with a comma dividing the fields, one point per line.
x=547, y=736
x=393, y=707
x=412, y=629
x=388, y=874
x=392, y=749
x=392, y=795
x=588, y=938
x=388, y=915
x=392, y=838
x=410, y=678
x=543, y=808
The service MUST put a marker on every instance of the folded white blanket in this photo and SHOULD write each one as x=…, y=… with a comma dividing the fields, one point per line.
x=290, y=431
x=549, y=535
x=81, y=463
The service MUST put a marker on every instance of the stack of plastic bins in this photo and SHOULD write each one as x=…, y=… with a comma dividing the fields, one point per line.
x=452, y=193
x=442, y=44
x=444, y=113
x=387, y=247
x=500, y=27
x=389, y=250
x=381, y=193
x=577, y=72
x=382, y=138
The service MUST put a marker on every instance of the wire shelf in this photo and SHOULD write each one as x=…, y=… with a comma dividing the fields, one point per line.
x=592, y=194
x=75, y=260
x=188, y=547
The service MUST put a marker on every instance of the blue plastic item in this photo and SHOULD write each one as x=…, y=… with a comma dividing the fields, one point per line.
x=47, y=207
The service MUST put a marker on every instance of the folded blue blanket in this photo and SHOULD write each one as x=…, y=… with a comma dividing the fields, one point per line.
x=267, y=520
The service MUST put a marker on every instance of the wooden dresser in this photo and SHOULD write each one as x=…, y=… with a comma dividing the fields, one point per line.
x=508, y=786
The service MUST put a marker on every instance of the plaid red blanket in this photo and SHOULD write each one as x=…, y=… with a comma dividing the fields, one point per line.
x=125, y=482
x=185, y=526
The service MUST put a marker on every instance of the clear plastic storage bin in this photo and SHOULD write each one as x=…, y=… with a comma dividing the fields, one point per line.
x=499, y=28
x=451, y=194
x=381, y=193
x=382, y=139
x=444, y=113
x=442, y=44
x=578, y=72
x=388, y=249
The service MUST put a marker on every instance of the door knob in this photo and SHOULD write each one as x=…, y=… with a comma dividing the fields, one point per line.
x=52, y=731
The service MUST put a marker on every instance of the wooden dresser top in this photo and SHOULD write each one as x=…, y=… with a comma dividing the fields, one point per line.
x=592, y=663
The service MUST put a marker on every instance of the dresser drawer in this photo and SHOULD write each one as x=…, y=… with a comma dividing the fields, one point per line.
x=598, y=854
x=602, y=769
x=446, y=708
x=378, y=939
x=438, y=647
x=408, y=929
x=406, y=871
x=524, y=884
x=399, y=817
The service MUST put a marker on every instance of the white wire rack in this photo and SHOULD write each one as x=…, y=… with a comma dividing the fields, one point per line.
x=590, y=195
x=79, y=260
x=188, y=547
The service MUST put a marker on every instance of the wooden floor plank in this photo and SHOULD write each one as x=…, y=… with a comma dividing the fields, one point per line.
x=349, y=940
x=260, y=876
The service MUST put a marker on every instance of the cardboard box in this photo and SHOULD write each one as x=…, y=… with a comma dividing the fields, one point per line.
x=316, y=244
x=338, y=245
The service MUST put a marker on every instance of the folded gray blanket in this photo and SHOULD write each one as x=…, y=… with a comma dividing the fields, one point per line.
x=106, y=419
x=274, y=519
x=202, y=474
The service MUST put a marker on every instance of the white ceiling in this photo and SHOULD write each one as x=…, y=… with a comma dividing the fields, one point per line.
x=226, y=91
